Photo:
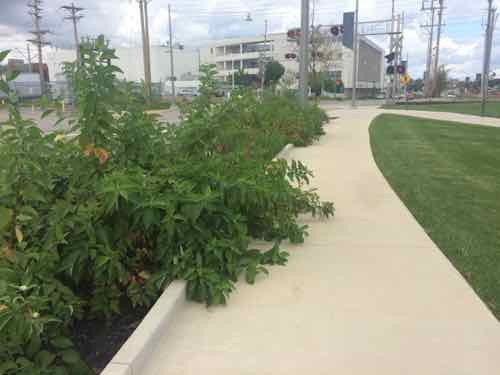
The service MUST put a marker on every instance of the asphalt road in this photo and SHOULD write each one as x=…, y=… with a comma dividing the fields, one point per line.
x=47, y=124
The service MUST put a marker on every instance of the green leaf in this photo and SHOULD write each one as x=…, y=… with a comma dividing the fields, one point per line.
x=3, y=54
x=5, y=217
x=31, y=194
x=149, y=218
x=61, y=342
x=24, y=362
x=12, y=76
x=59, y=370
x=44, y=358
x=6, y=366
x=70, y=356
x=46, y=113
x=34, y=346
x=4, y=87
x=114, y=69
x=191, y=211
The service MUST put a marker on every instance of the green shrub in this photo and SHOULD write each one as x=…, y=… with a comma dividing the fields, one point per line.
x=129, y=205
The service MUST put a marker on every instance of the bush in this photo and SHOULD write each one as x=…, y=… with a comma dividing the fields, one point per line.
x=129, y=205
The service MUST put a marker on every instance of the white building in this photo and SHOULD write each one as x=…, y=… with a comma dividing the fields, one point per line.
x=130, y=61
x=229, y=55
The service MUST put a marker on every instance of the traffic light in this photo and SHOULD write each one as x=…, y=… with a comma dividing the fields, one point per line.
x=401, y=69
x=390, y=57
x=390, y=70
x=293, y=34
x=337, y=30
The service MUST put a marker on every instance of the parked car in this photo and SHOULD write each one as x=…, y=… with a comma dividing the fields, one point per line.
x=188, y=91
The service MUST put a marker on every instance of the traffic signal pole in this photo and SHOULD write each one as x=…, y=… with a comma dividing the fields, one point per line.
x=355, y=54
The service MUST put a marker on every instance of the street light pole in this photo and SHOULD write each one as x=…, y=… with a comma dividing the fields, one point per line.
x=172, y=80
x=264, y=58
x=304, y=52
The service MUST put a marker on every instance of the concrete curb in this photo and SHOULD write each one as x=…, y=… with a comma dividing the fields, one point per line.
x=134, y=354
x=283, y=154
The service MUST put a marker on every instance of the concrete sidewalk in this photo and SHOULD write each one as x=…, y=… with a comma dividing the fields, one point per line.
x=368, y=293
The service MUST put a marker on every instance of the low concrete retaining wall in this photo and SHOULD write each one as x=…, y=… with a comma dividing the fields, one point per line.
x=134, y=354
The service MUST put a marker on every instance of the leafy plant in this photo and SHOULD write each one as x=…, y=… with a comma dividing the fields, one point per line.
x=35, y=307
x=273, y=73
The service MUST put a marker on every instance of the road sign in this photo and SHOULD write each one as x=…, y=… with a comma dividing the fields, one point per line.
x=348, y=30
x=405, y=80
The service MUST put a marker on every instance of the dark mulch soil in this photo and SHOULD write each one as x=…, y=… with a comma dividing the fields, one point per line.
x=99, y=340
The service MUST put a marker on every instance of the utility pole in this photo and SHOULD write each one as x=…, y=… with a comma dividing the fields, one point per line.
x=35, y=10
x=355, y=53
x=429, y=53
x=172, y=78
x=145, y=46
x=432, y=65
x=304, y=52
x=74, y=17
x=30, y=66
x=490, y=26
x=438, y=40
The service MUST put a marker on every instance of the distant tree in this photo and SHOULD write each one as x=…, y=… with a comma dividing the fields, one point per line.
x=333, y=86
x=242, y=79
x=273, y=73
x=416, y=85
x=288, y=83
x=325, y=53
x=441, y=82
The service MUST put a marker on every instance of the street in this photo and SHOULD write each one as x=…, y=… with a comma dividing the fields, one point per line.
x=47, y=124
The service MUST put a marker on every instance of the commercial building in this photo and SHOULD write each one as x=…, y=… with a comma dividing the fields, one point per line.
x=249, y=54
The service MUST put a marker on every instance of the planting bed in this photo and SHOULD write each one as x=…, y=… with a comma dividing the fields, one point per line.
x=94, y=228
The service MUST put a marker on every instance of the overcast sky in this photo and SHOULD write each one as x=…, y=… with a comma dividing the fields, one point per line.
x=197, y=21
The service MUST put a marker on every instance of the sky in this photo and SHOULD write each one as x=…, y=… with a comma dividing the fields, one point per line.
x=195, y=22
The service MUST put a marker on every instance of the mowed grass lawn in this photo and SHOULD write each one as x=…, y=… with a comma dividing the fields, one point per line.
x=492, y=108
x=448, y=175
